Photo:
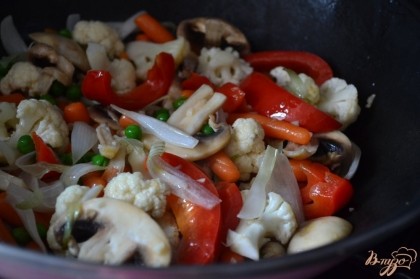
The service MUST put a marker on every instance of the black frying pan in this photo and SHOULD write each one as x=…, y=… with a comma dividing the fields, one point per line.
x=372, y=44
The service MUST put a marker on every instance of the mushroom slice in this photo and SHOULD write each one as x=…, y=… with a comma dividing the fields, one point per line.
x=336, y=151
x=212, y=32
x=66, y=47
x=194, y=113
x=104, y=115
x=120, y=231
x=207, y=145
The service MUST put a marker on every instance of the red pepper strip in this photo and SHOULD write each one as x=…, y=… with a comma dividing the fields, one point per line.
x=325, y=192
x=44, y=153
x=269, y=99
x=15, y=98
x=194, y=81
x=97, y=85
x=299, y=61
x=200, y=243
x=235, y=96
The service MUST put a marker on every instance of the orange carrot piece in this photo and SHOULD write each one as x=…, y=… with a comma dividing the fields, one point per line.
x=125, y=121
x=142, y=37
x=223, y=167
x=12, y=98
x=187, y=93
x=276, y=128
x=94, y=179
x=76, y=111
x=153, y=28
x=6, y=234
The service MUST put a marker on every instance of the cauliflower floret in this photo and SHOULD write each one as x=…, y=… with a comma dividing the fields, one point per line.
x=301, y=85
x=26, y=77
x=99, y=32
x=143, y=53
x=7, y=119
x=44, y=119
x=71, y=195
x=277, y=221
x=123, y=75
x=340, y=100
x=246, y=146
x=149, y=195
x=222, y=66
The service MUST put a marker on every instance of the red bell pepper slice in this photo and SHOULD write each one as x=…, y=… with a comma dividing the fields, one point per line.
x=199, y=227
x=235, y=97
x=325, y=192
x=299, y=61
x=194, y=81
x=269, y=99
x=97, y=85
x=44, y=153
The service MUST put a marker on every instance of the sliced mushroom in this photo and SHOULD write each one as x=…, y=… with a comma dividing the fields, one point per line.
x=111, y=231
x=53, y=64
x=212, y=32
x=66, y=47
x=104, y=115
x=336, y=151
x=207, y=145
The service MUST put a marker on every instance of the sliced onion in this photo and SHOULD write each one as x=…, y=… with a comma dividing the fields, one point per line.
x=72, y=174
x=181, y=185
x=355, y=149
x=39, y=169
x=11, y=39
x=97, y=56
x=9, y=153
x=136, y=154
x=83, y=138
x=254, y=205
x=50, y=193
x=6, y=179
x=284, y=183
x=71, y=21
x=160, y=129
x=126, y=27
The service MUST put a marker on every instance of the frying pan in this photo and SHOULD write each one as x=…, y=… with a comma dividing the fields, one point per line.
x=374, y=45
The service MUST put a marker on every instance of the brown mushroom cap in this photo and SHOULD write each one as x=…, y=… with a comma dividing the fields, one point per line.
x=212, y=32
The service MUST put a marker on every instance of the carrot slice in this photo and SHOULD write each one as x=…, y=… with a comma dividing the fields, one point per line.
x=153, y=29
x=276, y=128
x=223, y=166
x=76, y=111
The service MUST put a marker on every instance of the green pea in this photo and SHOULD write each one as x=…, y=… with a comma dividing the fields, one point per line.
x=179, y=102
x=65, y=33
x=133, y=132
x=57, y=89
x=21, y=235
x=162, y=114
x=100, y=160
x=207, y=130
x=25, y=144
x=73, y=93
x=49, y=98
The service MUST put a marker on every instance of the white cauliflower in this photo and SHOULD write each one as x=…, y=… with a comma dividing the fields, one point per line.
x=143, y=53
x=8, y=119
x=26, y=77
x=222, y=66
x=246, y=146
x=71, y=195
x=340, y=100
x=149, y=195
x=123, y=75
x=85, y=32
x=43, y=118
x=277, y=221
x=301, y=85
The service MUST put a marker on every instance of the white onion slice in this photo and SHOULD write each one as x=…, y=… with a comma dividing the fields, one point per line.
x=71, y=21
x=72, y=174
x=254, y=205
x=11, y=39
x=83, y=138
x=97, y=56
x=9, y=153
x=160, y=129
x=126, y=27
x=181, y=185
x=39, y=169
x=355, y=149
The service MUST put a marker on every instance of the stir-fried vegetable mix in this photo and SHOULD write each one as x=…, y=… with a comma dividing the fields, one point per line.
x=133, y=142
